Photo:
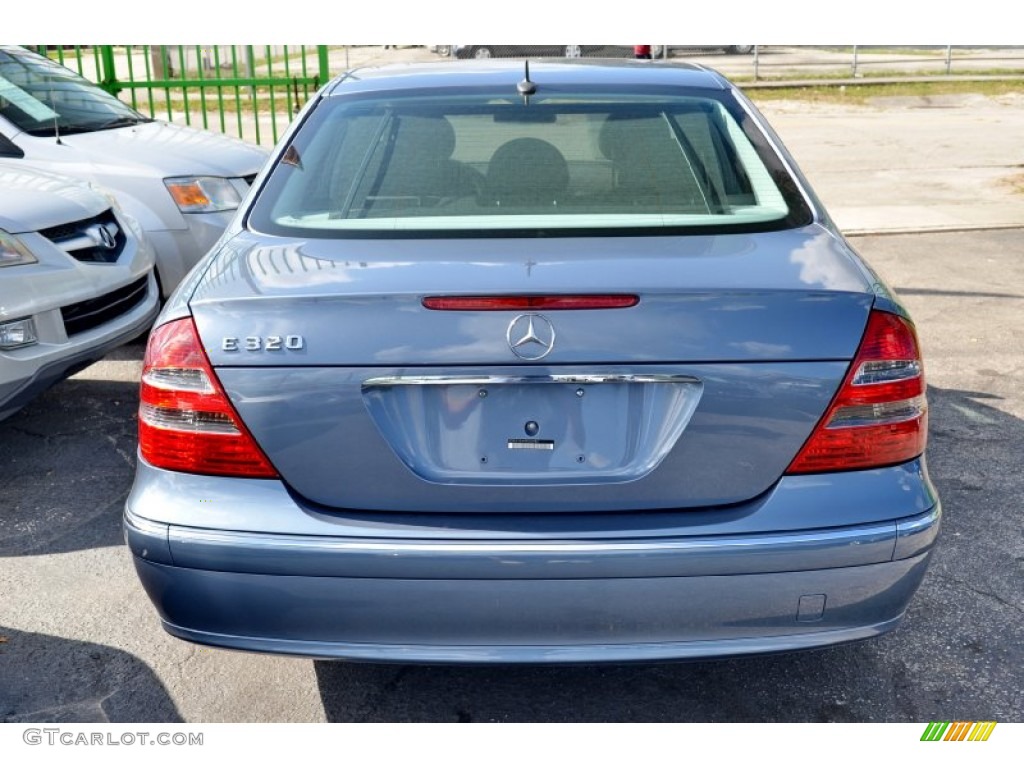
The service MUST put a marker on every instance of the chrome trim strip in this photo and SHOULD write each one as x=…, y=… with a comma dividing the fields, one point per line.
x=144, y=526
x=560, y=378
x=916, y=534
x=286, y=554
x=514, y=549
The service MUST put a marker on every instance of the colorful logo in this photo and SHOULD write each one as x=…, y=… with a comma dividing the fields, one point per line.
x=960, y=731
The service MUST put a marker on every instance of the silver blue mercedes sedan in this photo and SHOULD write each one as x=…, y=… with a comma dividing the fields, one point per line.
x=539, y=361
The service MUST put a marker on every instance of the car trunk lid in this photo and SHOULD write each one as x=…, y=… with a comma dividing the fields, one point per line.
x=700, y=394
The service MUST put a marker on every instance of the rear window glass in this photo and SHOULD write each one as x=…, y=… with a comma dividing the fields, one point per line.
x=484, y=164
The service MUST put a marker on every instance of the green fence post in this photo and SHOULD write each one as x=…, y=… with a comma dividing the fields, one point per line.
x=325, y=64
x=108, y=77
x=268, y=54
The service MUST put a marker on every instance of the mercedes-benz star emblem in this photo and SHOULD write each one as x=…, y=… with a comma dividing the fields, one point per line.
x=531, y=337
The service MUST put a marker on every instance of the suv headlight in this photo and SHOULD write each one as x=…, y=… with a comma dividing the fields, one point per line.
x=203, y=194
x=13, y=251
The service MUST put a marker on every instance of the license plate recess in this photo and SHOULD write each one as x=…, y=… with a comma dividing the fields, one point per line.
x=573, y=428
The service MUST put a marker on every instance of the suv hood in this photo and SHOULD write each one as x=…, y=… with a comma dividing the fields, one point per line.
x=172, y=150
x=31, y=200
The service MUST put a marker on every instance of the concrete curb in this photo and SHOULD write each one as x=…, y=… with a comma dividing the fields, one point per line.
x=868, y=232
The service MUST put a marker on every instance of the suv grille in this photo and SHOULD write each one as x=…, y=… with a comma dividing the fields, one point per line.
x=98, y=240
x=88, y=314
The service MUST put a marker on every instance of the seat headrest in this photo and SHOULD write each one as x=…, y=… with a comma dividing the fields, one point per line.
x=526, y=171
x=433, y=136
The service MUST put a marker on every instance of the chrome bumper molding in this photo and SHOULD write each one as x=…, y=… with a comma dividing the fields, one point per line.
x=283, y=554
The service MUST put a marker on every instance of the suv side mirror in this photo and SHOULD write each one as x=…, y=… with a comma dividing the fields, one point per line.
x=9, y=149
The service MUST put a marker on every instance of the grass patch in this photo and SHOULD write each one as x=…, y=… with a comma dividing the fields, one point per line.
x=895, y=50
x=846, y=73
x=1015, y=183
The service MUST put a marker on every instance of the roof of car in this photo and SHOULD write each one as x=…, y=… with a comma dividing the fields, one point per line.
x=498, y=72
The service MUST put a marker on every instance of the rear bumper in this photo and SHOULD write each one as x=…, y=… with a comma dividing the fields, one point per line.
x=461, y=601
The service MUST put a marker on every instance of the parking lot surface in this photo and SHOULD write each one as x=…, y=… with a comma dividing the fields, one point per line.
x=79, y=640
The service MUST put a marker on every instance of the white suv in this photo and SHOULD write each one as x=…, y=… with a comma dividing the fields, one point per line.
x=76, y=280
x=181, y=184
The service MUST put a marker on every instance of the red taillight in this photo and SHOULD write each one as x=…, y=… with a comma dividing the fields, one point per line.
x=497, y=303
x=880, y=414
x=185, y=420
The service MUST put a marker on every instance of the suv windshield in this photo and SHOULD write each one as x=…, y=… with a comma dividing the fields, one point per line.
x=39, y=97
x=480, y=163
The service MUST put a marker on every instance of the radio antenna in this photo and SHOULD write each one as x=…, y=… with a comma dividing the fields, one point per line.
x=526, y=87
x=56, y=118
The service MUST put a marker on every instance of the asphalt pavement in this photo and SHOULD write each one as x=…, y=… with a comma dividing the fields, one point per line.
x=934, y=192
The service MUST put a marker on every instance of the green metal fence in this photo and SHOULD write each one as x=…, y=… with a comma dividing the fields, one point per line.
x=250, y=91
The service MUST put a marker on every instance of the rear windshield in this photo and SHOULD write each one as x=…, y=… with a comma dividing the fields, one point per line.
x=478, y=164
